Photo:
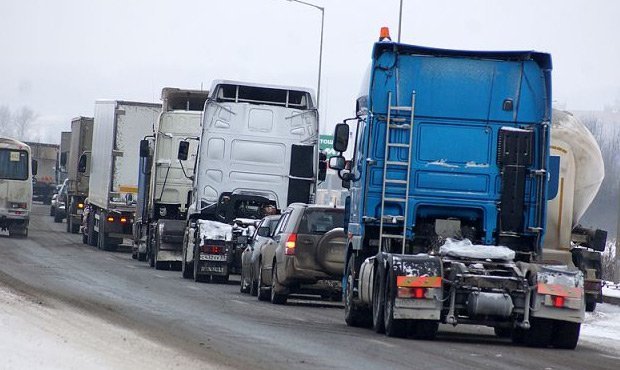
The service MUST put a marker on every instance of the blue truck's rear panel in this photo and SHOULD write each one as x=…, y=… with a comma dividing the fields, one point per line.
x=462, y=101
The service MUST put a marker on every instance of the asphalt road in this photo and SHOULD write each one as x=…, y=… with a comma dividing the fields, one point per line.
x=218, y=324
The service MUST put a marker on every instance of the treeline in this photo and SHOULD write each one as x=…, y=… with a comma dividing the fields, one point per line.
x=16, y=123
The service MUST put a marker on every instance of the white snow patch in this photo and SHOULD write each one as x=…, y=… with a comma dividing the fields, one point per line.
x=611, y=290
x=442, y=163
x=602, y=327
x=472, y=164
x=214, y=230
x=516, y=129
x=465, y=249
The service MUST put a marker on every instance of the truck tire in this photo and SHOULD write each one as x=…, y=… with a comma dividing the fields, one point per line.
x=565, y=334
x=197, y=277
x=186, y=268
x=263, y=293
x=20, y=231
x=69, y=223
x=354, y=316
x=52, y=211
x=590, y=303
x=84, y=238
x=378, y=303
x=103, y=242
x=423, y=329
x=92, y=234
x=74, y=228
x=393, y=327
x=540, y=333
x=142, y=257
x=276, y=298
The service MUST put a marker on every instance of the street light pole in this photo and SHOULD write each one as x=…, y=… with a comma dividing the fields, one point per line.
x=318, y=89
x=400, y=19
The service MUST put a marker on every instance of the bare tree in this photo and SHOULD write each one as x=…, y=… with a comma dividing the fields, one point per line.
x=6, y=128
x=22, y=120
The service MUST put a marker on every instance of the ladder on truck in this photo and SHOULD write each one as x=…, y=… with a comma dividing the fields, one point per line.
x=394, y=124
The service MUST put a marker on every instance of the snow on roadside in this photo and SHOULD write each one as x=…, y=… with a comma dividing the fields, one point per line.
x=611, y=290
x=35, y=335
x=602, y=327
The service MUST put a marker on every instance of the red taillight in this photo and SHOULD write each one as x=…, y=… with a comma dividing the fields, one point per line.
x=558, y=301
x=110, y=219
x=407, y=292
x=290, y=245
x=212, y=249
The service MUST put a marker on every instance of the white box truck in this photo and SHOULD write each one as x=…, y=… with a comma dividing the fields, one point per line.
x=112, y=189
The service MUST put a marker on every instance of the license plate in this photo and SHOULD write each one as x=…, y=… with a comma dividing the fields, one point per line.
x=219, y=269
x=212, y=257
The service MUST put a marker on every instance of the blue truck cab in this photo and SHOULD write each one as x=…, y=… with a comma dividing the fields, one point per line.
x=450, y=146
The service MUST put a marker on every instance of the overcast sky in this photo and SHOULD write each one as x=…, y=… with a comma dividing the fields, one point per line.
x=58, y=56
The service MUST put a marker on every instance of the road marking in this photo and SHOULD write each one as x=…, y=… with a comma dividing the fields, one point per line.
x=237, y=301
x=376, y=341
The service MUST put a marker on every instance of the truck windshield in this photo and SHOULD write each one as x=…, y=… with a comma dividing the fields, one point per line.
x=320, y=221
x=13, y=164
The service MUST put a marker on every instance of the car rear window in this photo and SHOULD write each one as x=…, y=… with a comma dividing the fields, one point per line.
x=320, y=221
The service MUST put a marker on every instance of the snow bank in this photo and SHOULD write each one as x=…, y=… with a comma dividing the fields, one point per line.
x=602, y=327
x=214, y=230
x=611, y=290
x=465, y=249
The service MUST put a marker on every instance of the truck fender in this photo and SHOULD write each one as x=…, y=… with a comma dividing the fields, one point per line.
x=557, y=292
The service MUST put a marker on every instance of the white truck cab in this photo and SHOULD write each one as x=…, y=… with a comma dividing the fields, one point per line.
x=16, y=171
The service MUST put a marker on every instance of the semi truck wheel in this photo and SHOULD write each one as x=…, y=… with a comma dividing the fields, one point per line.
x=52, y=211
x=92, y=234
x=393, y=327
x=565, y=334
x=540, y=333
x=74, y=228
x=353, y=315
x=378, y=303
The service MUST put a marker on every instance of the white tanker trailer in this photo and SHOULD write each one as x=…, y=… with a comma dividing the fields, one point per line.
x=581, y=174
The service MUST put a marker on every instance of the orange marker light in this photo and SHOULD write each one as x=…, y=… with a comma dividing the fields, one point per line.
x=110, y=219
x=123, y=219
x=385, y=34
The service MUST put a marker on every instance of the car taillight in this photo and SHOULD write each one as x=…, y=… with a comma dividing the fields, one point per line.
x=212, y=249
x=407, y=292
x=290, y=245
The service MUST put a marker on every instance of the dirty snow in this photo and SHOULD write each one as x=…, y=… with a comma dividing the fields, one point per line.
x=442, y=163
x=35, y=335
x=214, y=230
x=602, y=328
x=465, y=249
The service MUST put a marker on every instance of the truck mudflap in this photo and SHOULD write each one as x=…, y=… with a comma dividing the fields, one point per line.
x=419, y=292
x=558, y=294
x=212, y=258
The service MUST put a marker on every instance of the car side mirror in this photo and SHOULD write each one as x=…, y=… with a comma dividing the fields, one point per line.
x=341, y=137
x=337, y=163
x=35, y=167
x=82, y=163
x=183, y=150
x=144, y=148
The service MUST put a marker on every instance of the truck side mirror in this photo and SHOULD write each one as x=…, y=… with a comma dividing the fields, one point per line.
x=341, y=137
x=322, y=166
x=82, y=163
x=183, y=150
x=35, y=167
x=144, y=148
x=337, y=163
